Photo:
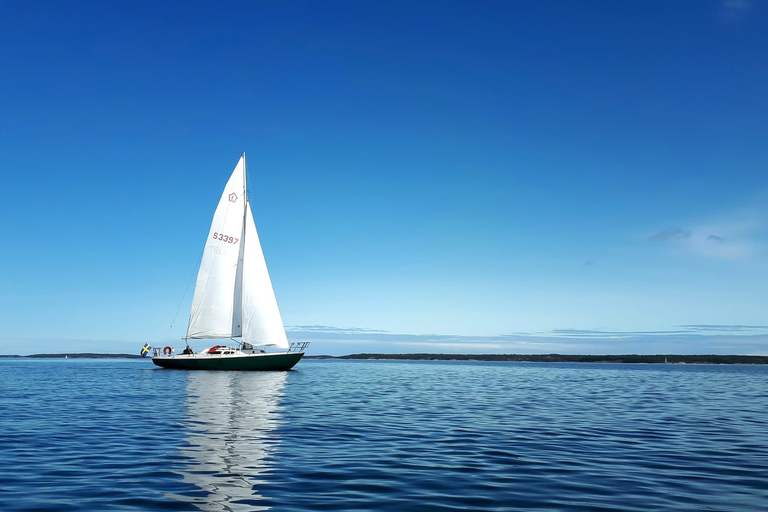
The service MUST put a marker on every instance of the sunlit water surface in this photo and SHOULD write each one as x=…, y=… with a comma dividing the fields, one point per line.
x=383, y=435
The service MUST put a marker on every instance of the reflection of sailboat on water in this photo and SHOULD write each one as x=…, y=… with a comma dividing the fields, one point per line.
x=231, y=418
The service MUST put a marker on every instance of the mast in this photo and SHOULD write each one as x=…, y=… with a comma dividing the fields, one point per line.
x=237, y=305
x=241, y=261
x=245, y=188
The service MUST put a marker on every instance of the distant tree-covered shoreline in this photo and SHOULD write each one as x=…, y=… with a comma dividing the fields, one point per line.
x=566, y=358
x=530, y=358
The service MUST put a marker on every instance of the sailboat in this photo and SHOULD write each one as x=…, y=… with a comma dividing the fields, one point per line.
x=234, y=299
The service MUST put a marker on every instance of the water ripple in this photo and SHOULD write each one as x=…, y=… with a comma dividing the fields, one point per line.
x=346, y=435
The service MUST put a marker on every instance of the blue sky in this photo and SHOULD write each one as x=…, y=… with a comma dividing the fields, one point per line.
x=445, y=176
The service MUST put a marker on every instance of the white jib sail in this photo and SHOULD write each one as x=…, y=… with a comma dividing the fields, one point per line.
x=216, y=306
x=262, y=324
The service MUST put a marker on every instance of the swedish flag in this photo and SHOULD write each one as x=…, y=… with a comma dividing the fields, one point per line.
x=145, y=349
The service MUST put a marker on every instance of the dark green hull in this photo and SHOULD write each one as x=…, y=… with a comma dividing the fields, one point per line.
x=250, y=362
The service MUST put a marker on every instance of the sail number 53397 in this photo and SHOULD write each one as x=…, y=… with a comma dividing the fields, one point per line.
x=225, y=238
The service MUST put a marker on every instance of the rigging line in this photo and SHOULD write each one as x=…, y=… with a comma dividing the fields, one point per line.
x=168, y=336
x=246, y=181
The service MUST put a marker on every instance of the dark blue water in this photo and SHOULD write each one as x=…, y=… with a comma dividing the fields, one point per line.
x=383, y=436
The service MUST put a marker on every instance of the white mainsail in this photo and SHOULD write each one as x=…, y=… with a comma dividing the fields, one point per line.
x=233, y=293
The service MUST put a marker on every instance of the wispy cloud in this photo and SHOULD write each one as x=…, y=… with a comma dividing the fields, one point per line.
x=598, y=334
x=683, y=329
x=687, y=339
x=733, y=11
x=670, y=234
x=330, y=329
x=724, y=328
x=734, y=236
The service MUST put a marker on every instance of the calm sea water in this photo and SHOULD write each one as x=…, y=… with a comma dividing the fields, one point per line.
x=383, y=436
